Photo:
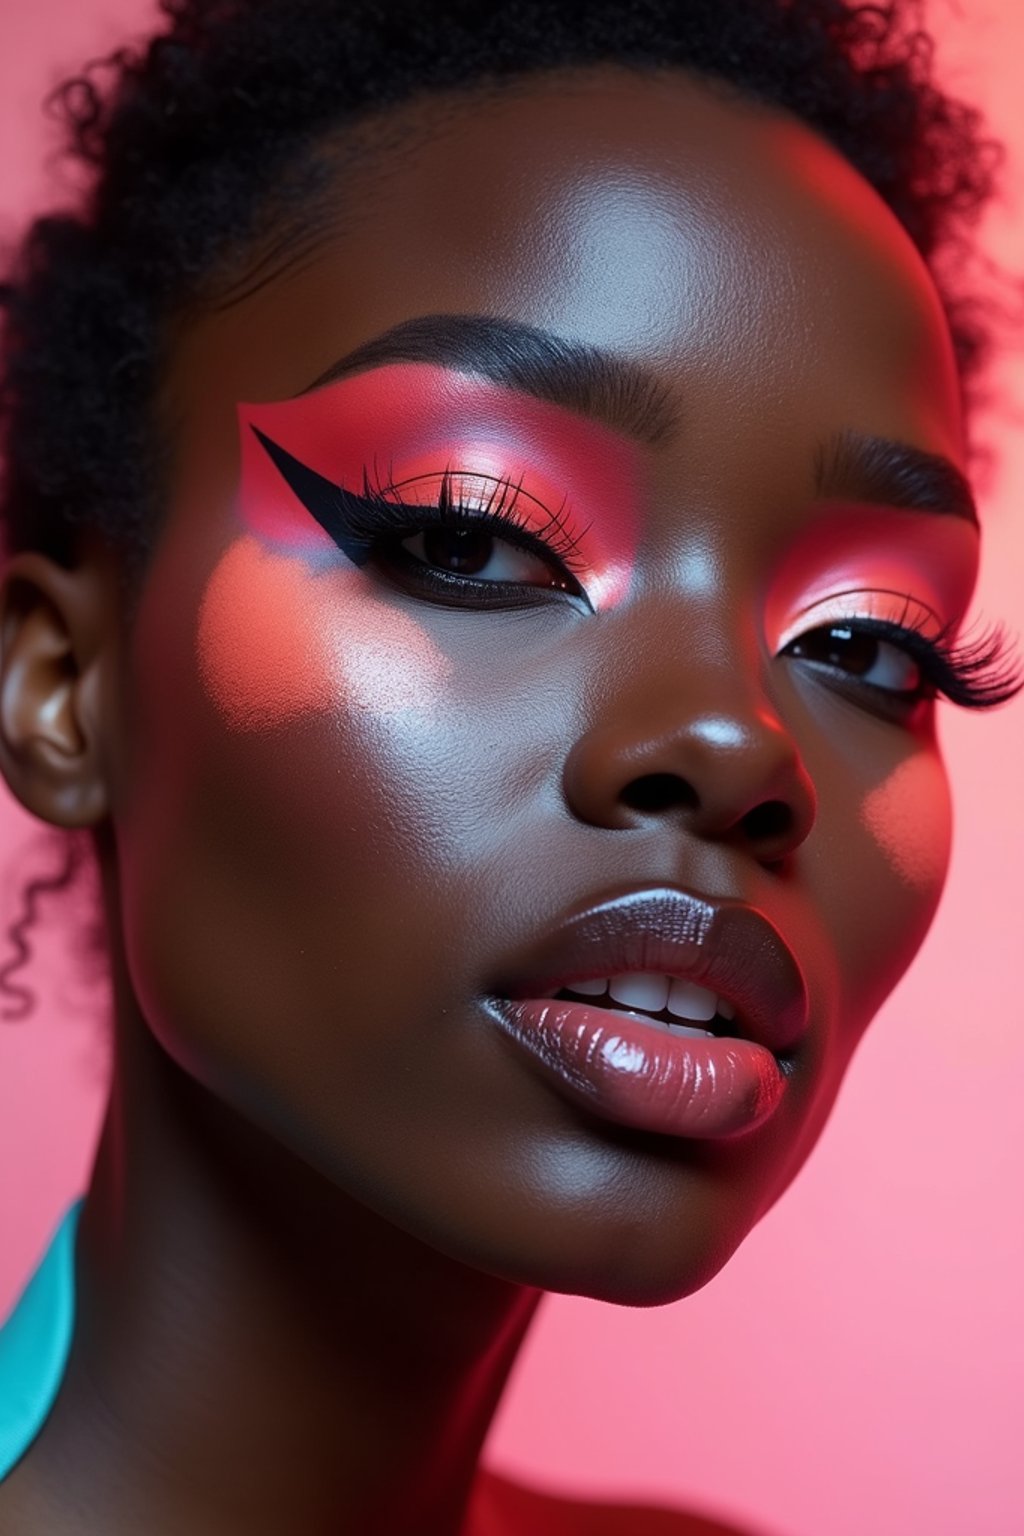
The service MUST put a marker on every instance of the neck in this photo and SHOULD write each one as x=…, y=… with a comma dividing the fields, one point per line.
x=253, y=1348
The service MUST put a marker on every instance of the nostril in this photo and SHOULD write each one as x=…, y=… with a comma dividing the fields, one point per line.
x=768, y=822
x=658, y=792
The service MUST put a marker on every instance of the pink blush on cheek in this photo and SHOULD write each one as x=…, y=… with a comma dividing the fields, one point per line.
x=909, y=816
x=277, y=641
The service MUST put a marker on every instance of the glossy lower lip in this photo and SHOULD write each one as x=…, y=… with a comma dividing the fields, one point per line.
x=621, y=1069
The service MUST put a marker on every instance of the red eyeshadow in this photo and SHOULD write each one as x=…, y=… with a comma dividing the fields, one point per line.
x=405, y=420
x=862, y=548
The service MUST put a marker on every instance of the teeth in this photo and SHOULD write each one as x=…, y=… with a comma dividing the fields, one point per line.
x=692, y=1002
x=640, y=989
x=591, y=988
x=654, y=992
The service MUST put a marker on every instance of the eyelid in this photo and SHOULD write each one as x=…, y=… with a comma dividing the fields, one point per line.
x=495, y=504
x=474, y=491
x=857, y=551
x=846, y=607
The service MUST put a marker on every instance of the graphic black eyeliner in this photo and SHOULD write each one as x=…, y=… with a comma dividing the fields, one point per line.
x=358, y=524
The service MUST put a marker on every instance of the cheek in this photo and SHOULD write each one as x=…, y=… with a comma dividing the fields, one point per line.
x=909, y=817
x=277, y=641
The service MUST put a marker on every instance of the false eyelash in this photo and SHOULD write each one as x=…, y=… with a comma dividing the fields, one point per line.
x=500, y=513
x=976, y=674
x=360, y=524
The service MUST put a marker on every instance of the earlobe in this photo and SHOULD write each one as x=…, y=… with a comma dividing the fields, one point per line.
x=53, y=624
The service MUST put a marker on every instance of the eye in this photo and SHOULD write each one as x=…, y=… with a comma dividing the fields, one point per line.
x=481, y=554
x=472, y=533
x=871, y=660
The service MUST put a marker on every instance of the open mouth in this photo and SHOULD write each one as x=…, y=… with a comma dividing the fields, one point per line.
x=598, y=1004
x=672, y=1004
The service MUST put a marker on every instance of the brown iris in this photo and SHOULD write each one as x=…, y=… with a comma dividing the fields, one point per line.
x=463, y=551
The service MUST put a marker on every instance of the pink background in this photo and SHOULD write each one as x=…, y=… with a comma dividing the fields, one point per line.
x=859, y=1365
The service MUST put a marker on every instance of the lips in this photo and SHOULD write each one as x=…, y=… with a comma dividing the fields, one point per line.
x=622, y=1068
x=727, y=947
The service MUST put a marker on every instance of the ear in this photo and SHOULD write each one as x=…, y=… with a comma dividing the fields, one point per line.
x=57, y=644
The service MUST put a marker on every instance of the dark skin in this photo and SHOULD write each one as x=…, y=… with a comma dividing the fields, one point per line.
x=294, y=1316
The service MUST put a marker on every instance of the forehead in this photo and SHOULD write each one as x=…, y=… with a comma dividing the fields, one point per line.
x=723, y=243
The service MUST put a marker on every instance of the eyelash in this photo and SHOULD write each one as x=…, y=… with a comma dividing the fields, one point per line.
x=361, y=525
x=375, y=518
x=974, y=674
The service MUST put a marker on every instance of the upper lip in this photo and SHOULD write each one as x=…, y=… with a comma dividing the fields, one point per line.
x=726, y=946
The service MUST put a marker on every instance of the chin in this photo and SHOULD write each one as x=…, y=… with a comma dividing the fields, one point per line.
x=643, y=1276
x=613, y=1249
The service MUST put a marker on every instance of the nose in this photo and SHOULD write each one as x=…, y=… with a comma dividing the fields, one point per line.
x=729, y=772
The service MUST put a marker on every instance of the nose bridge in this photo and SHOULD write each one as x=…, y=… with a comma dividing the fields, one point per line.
x=681, y=721
x=690, y=659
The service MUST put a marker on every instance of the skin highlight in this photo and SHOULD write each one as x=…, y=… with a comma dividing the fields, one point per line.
x=323, y=1189
x=909, y=815
x=265, y=651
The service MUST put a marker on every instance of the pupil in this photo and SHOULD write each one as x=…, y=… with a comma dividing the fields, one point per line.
x=856, y=652
x=842, y=648
x=461, y=550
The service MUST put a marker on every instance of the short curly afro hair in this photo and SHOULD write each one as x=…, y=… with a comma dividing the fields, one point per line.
x=197, y=143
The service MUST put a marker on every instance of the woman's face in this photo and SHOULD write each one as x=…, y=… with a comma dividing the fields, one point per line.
x=357, y=793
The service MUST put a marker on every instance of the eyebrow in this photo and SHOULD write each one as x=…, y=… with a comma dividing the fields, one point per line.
x=893, y=473
x=624, y=396
x=610, y=389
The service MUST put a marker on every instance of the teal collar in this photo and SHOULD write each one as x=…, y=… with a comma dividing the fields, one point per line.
x=35, y=1342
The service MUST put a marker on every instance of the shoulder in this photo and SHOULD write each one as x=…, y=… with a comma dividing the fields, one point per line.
x=506, y=1508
